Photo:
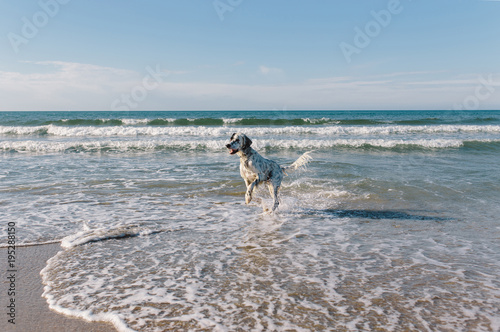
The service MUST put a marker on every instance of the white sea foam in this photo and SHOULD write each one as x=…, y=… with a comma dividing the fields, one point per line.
x=22, y=130
x=134, y=122
x=231, y=120
x=88, y=235
x=322, y=120
x=145, y=145
x=93, y=235
x=87, y=315
x=107, y=145
x=207, y=131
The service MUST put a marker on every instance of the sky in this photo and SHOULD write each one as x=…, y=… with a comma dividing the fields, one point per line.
x=101, y=55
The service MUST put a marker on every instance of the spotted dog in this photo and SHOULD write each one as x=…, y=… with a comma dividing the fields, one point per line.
x=255, y=169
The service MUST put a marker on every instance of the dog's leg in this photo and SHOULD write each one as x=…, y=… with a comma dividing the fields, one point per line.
x=247, y=183
x=273, y=190
x=248, y=194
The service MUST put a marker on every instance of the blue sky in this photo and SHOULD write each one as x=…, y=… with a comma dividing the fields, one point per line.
x=249, y=55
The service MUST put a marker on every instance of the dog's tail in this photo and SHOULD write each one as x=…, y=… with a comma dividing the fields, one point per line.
x=299, y=163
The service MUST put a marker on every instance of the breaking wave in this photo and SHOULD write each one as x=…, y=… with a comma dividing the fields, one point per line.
x=254, y=118
x=207, y=131
x=103, y=146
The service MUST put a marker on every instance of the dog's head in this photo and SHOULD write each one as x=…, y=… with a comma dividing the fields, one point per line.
x=238, y=142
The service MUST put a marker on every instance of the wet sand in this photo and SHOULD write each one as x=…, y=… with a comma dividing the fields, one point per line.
x=32, y=311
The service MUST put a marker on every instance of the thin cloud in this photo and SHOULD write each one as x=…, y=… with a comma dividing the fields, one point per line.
x=264, y=70
x=76, y=86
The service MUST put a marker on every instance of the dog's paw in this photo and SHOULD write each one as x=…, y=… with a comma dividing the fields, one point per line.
x=248, y=198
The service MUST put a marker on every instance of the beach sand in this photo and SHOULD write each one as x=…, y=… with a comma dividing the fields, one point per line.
x=32, y=311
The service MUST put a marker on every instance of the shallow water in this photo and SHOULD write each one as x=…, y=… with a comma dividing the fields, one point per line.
x=393, y=226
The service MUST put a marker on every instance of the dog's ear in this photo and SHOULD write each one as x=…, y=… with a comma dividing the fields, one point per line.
x=246, y=142
x=232, y=136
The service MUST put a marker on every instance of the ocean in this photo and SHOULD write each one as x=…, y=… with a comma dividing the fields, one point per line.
x=393, y=226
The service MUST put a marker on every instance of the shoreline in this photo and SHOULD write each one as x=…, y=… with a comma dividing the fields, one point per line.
x=32, y=310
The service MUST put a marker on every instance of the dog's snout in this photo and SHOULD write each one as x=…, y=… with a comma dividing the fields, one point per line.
x=228, y=146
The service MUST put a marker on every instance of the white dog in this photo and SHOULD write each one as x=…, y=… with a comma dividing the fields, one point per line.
x=255, y=169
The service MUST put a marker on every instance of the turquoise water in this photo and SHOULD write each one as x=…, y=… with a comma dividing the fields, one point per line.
x=393, y=226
